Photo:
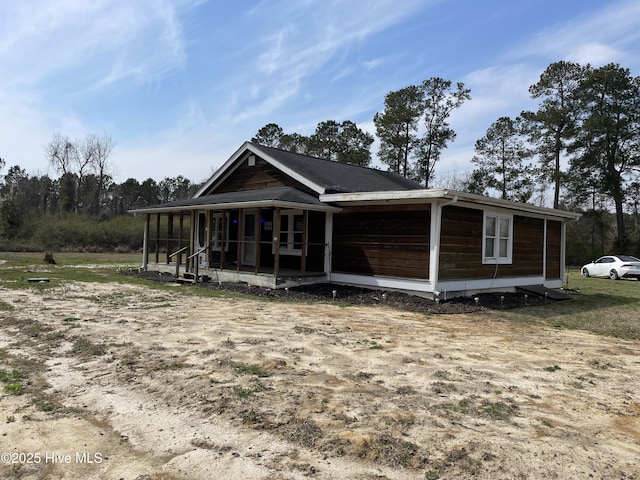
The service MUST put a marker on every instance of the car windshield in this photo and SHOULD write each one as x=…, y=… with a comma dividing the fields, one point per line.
x=628, y=258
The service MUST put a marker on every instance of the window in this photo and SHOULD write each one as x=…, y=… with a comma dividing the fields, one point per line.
x=291, y=232
x=497, y=238
x=216, y=234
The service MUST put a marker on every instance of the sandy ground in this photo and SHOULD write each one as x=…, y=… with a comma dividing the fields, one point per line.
x=156, y=385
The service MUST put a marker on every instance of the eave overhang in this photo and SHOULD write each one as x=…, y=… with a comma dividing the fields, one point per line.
x=436, y=195
x=282, y=197
x=236, y=206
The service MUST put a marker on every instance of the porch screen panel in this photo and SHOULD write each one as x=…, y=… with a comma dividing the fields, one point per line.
x=385, y=241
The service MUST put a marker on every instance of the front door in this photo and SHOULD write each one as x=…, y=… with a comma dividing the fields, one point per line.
x=249, y=232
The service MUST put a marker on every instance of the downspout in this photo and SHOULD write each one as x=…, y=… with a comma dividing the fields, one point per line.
x=434, y=240
x=328, y=241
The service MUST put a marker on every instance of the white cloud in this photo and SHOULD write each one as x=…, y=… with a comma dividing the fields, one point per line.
x=71, y=48
x=608, y=34
x=310, y=38
x=593, y=53
x=102, y=41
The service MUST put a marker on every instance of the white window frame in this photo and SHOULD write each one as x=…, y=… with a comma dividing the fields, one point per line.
x=494, y=257
x=216, y=226
x=287, y=248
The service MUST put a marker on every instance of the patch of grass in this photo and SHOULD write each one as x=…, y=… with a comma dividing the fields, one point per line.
x=443, y=387
x=250, y=369
x=14, y=375
x=502, y=410
x=303, y=432
x=33, y=328
x=43, y=403
x=242, y=392
x=250, y=416
x=129, y=360
x=303, y=329
x=14, y=388
x=498, y=410
x=86, y=348
x=5, y=307
x=602, y=306
x=406, y=390
x=176, y=365
x=391, y=451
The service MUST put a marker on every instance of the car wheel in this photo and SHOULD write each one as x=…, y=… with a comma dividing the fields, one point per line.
x=585, y=273
x=613, y=275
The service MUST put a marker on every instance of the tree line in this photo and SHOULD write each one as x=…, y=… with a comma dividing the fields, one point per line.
x=580, y=148
x=84, y=187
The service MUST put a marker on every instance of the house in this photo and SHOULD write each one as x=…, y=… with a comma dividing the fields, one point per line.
x=277, y=219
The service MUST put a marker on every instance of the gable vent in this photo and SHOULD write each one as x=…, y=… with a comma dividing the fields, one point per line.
x=251, y=161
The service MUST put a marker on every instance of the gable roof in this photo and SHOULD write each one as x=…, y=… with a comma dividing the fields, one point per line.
x=320, y=175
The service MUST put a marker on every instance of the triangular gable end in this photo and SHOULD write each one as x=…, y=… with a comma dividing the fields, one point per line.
x=240, y=158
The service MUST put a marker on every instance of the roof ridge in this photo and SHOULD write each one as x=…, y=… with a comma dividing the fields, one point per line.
x=318, y=158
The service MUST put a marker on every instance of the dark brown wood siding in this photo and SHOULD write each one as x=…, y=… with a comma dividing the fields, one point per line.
x=259, y=176
x=554, y=249
x=461, y=239
x=390, y=241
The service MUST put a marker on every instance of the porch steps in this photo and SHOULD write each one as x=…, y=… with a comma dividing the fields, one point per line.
x=190, y=278
x=550, y=293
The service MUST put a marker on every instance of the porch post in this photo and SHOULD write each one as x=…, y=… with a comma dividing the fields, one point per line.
x=276, y=239
x=223, y=237
x=192, y=239
x=257, y=233
x=434, y=244
x=169, y=236
x=208, y=239
x=158, y=238
x=145, y=242
x=328, y=240
x=303, y=252
x=240, y=236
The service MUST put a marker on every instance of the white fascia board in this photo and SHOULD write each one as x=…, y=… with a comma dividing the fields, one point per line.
x=238, y=205
x=464, y=199
x=488, y=284
x=382, y=197
x=291, y=173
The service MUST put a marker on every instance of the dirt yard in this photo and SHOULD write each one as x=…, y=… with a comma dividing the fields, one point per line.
x=128, y=382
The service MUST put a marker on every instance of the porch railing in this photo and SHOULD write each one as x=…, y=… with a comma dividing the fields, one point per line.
x=179, y=254
x=235, y=260
x=196, y=263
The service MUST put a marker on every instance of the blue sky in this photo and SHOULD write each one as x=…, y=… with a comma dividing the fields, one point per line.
x=180, y=84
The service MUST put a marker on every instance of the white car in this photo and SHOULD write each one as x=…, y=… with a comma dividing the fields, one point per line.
x=614, y=267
